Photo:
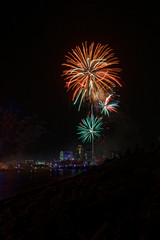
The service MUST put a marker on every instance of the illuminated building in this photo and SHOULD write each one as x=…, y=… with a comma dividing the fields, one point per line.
x=66, y=155
x=29, y=161
x=80, y=151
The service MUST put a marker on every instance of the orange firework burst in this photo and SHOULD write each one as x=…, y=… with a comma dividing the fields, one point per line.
x=91, y=72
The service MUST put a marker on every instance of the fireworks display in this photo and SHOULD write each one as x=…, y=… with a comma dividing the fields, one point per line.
x=89, y=128
x=91, y=72
x=108, y=107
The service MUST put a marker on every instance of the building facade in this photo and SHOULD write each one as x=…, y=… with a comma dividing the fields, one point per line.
x=65, y=155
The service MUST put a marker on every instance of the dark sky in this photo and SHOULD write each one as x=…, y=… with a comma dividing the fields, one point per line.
x=34, y=41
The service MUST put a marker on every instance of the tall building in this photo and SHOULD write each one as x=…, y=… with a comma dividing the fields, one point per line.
x=80, y=152
x=61, y=156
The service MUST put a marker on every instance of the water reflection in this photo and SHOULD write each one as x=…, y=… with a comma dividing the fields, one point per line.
x=17, y=181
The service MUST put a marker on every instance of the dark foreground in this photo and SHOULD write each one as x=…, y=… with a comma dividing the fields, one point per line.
x=115, y=201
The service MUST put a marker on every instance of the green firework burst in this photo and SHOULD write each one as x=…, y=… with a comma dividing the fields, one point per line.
x=89, y=128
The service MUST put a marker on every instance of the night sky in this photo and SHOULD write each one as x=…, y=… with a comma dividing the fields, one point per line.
x=34, y=40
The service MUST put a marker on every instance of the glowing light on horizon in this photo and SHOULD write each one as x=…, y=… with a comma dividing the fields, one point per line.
x=90, y=128
x=91, y=72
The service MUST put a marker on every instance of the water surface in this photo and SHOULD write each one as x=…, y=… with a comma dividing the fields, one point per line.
x=14, y=182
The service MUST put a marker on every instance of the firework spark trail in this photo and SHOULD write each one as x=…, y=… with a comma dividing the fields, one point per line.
x=108, y=107
x=91, y=72
x=90, y=128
